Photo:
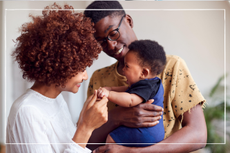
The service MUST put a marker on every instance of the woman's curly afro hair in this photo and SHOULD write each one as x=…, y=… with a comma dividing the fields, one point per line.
x=56, y=46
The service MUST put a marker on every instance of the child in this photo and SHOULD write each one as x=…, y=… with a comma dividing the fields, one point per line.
x=144, y=61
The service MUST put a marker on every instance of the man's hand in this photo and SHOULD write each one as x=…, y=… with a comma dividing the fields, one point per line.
x=112, y=149
x=142, y=115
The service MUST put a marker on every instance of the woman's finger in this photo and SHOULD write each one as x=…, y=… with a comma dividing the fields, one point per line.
x=102, y=102
x=93, y=100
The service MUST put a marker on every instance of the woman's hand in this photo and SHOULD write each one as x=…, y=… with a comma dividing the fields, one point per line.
x=142, y=115
x=93, y=115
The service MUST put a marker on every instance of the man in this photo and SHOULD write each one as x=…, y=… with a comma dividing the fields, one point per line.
x=183, y=117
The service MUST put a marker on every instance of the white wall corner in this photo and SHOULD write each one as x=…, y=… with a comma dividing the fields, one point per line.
x=2, y=69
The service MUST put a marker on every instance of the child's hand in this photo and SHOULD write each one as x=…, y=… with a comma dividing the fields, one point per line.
x=103, y=92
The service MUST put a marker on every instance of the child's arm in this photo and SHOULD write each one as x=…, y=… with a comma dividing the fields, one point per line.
x=121, y=98
x=118, y=89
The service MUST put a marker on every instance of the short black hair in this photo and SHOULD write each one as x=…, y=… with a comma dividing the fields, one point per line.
x=108, y=5
x=150, y=53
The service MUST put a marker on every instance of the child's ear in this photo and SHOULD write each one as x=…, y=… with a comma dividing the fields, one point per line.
x=145, y=73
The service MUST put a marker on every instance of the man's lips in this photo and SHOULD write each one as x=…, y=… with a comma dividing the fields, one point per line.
x=119, y=51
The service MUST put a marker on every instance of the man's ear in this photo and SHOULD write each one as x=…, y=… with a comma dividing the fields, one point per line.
x=129, y=19
x=145, y=73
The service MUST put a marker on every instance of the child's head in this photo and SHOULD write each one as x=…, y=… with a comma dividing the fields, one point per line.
x=145, y=59
x=56, y=46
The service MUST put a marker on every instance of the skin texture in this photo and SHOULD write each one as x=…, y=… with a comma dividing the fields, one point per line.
x=54, y=50
x=73, y=84
x=182, y=141
x=144, y=115
x=93, y=115
x=134, y=73
x=126, y=37
x=123, y=99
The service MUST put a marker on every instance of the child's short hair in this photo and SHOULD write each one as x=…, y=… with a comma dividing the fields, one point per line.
x=150, y=53
x=113, y=8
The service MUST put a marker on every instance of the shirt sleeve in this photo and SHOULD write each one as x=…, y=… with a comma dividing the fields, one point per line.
x=75, y=148
x=29, y=134
x=145, y=88
x=185, y=90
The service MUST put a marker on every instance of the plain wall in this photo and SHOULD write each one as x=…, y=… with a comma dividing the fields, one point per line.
x=2, y=117
x=195, y=35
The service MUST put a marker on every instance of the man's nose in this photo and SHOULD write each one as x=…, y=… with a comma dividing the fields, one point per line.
x=111, y=44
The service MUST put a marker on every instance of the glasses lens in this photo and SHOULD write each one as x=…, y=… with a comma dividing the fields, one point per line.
x=114, y=35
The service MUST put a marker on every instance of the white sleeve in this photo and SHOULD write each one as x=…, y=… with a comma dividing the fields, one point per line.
x=75, y=148
x=29, y=134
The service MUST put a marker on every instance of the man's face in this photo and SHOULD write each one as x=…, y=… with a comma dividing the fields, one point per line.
x=116, y=49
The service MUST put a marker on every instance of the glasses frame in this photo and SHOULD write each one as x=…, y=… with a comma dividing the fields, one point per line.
x=104, y=40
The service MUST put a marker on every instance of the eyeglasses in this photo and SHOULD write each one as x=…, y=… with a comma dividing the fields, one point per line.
x=112, y=36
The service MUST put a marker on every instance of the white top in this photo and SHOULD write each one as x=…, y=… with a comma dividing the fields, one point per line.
x=41, y=125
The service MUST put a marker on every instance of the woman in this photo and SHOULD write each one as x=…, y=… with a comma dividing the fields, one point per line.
x=53, y=51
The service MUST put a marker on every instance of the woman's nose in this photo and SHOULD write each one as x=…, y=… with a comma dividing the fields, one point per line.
x=85, y=75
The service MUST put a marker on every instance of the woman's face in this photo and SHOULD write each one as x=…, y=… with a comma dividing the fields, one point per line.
x=74, y=83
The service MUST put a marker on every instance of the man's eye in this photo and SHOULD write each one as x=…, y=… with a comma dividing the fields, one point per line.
x=113, y=34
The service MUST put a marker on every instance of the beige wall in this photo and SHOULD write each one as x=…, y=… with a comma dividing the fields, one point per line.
x=195, y=35
x=1, y=79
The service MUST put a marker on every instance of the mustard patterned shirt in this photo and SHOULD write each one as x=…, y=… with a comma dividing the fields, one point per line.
x=180, y=91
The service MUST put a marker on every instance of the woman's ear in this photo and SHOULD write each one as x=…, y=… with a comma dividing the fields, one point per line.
x=130, y=20
x=145, y=73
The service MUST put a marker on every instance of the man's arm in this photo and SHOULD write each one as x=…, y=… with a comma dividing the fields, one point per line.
x=192, y=136
x=142, y=115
